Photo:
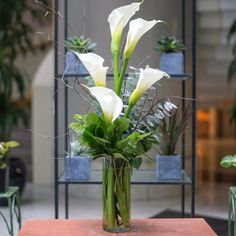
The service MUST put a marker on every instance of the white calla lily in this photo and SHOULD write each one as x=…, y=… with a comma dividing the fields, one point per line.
x=119, y=18
x=147, y=78
x=110, y=103
x=94, y=65
x=137, y=28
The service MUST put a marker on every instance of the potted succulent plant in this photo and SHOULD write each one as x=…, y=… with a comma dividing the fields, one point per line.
x=77, y=166
x=4, y=169
x=172, y=58
x=80, y=45
x=168, y=131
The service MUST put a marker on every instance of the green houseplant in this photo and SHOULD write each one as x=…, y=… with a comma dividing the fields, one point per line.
x=4, y=170
x=172, y=58
x=232, y=71
x=169, y=131
x=77, y=165
x=80, y=45
x=15, y=37
x=119, y=129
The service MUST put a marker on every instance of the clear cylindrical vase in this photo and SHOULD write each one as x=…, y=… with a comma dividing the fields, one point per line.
x=116, y=195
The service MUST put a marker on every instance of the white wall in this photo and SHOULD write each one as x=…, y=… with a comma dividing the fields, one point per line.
x=42, y=115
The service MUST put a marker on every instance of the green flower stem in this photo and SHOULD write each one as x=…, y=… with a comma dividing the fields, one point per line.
x=115, y=57
x=122, y=75
x=130, y=106
x=110, y=210
x=121, y=196
x=116, y=195
x=127, y=190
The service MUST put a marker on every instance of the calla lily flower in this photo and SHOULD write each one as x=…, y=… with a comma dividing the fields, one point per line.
x=94, y=65
x=147, y=78
x=119, y=18
x=110, y=103
x=137, y=28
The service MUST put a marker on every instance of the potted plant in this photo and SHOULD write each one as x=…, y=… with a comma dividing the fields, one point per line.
x=80, y=45
x=168, y=131
x=77, y=166
x=172, y=57
x=4, y=169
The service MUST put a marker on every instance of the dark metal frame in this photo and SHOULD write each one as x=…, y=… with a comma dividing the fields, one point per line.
x=59, y=179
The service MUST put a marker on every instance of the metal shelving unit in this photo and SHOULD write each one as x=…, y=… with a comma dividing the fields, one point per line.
x=140, y=177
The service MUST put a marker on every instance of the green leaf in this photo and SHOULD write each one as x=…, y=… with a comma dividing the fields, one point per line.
x=122, y=124
x=228, y=161
x=136, y=162
x=92, y=119
x=75, y=126
x=11, y=144
x=78, y=117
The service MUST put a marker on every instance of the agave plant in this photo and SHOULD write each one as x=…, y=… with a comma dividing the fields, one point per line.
x=81, y=44
x=76, y=149
x=169, y=44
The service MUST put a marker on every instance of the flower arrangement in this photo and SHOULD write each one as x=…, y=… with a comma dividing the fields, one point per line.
x=121, y=128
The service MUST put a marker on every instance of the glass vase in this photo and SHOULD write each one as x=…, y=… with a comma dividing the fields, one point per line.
x=116, y=195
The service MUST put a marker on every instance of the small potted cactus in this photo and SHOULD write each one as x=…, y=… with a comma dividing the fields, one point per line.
x=4, y=168
x=80, y=45
x=170, y=129
x=172, y=57
x=77, y=166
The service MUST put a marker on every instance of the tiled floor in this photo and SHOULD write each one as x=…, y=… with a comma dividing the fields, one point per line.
x=38, y=202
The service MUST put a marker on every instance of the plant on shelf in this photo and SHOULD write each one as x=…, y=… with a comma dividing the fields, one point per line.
x=4, y=172
x=80, y=45
x=172, y=58
x=77, y=165
x=16, y=38
x=169, y=131
x=121, y=129
x=169, y=45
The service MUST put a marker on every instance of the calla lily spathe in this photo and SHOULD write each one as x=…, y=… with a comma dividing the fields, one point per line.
x=110, y=103
x=94, y=65
x=137, y=28
x=119, y=18
x=147, y=78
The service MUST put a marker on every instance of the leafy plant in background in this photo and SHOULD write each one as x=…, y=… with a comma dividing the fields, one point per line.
x=81, y=45
x=232, y=66
x=232, y=71
x=169, y=44
x=171, y=127
x=4, y=149
x=76, y=149
x=15, y=38
x=228, y=161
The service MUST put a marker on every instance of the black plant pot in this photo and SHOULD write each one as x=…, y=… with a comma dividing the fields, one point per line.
x=4, y=179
